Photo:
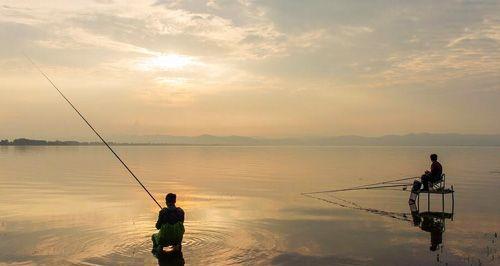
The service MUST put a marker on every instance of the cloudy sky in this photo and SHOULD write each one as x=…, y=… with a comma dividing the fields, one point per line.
x=255, y=68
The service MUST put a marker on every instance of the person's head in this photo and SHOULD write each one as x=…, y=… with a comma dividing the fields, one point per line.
x=434, y=157
x=170, y=199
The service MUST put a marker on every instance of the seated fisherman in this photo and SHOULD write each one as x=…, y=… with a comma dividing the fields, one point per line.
x=434, y=175
x=171, y=225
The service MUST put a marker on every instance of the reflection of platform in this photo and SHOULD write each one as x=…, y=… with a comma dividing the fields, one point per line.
x=432, y=222
x=440, y=215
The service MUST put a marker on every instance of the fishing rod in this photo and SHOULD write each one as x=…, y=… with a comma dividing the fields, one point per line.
x=370, y=186
x=386, y=182
x=350, y=189
x=95, y=131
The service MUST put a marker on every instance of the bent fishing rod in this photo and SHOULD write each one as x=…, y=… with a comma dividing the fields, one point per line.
x=93, y=129
x=351, y=189
x=368, y=186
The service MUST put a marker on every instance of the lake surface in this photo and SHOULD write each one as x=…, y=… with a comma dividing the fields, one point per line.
x=77, y=205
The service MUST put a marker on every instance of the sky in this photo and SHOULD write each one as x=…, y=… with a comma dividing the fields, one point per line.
x=268, y=68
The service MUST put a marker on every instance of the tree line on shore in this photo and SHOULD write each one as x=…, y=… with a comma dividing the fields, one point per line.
x=36, y=142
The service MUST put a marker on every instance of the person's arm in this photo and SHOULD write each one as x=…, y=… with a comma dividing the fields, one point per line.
x=158, y=223
x=181, y=215
x=429, y=172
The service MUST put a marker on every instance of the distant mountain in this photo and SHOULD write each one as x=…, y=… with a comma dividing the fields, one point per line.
x=196, y=140
x=423, y=139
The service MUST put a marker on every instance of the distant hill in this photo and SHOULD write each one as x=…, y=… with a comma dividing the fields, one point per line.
x=423, y=139
x=196, y=140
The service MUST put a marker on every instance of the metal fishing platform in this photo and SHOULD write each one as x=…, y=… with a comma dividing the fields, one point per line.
x=438, y=188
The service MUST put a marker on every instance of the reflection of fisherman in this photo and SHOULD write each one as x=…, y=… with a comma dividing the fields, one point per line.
x=435, y=227
x=432, y=176
x=428, y=222
x=171, y=225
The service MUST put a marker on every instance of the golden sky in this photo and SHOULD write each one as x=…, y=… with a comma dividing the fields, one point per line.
x=255, y=68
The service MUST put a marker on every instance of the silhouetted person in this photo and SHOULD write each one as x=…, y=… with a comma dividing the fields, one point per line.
x=434, y=175
x=168, y=241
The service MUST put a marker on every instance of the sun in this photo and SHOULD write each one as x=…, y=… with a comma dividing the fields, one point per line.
x=166, y=62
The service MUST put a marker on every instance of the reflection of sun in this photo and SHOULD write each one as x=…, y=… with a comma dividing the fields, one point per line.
x=163, y=62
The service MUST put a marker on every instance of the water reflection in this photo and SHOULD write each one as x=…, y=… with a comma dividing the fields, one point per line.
x=355, y=206
x=75, y=205
x=432, y=222
x=171, y=259
x=428, y=221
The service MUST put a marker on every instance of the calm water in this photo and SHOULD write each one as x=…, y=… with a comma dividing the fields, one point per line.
x=76, y=205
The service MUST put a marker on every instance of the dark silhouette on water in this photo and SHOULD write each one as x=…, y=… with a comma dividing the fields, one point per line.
x=167, y=243
x=432, y=222
x=434, y=175
x=433, y=181
x=429, y=179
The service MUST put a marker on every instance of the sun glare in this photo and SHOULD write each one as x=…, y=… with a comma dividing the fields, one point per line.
x=165, y=62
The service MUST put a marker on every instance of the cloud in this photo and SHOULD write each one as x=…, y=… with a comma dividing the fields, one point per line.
x=485, y=36
x=355, y=30
x=474, y=52
x=337, y=55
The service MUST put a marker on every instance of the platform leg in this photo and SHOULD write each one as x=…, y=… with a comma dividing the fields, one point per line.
x=442, y=201
x=452, y=203
x=428, y=201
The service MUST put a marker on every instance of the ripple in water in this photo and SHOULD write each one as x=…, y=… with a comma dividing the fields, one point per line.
x=228, y=243
x=205, y=242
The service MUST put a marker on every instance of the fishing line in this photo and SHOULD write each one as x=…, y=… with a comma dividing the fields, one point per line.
x=95, y=131
x=355, y=206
